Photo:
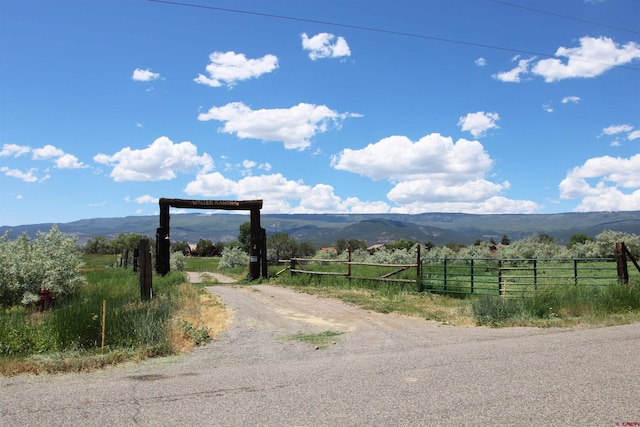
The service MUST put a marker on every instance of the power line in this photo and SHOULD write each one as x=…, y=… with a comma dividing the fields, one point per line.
x=380, y=30
x=563, y=16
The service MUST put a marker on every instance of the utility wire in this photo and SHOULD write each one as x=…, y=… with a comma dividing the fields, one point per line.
x=380, y=30
x=562, y=16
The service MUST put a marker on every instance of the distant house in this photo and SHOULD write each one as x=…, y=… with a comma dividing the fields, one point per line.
x=374, y=248
x=329, y=249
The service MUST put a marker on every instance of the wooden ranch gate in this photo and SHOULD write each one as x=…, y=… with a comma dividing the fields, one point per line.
x=257, y=249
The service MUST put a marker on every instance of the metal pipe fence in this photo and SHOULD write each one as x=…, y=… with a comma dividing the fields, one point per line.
x=514, y=277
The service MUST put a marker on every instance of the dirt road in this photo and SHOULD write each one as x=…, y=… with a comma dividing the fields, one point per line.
x=383, y=370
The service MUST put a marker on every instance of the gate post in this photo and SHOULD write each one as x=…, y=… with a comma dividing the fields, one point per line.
x=255, y=248
x=621, y=259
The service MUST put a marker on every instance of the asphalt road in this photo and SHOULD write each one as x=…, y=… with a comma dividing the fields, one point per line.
x=383, y=370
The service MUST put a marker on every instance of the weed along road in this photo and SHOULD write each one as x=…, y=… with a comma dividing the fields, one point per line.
x=374, y=369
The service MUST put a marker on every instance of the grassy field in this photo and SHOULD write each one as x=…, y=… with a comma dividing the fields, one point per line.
x=69, y=337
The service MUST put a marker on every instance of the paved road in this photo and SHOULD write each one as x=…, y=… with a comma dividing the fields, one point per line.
x=384, y=370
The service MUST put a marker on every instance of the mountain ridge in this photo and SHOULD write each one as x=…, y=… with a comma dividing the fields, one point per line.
x=325, y=229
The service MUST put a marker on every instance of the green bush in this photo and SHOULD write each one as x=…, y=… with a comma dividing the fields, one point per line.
x=51, y=262
x=233, y=257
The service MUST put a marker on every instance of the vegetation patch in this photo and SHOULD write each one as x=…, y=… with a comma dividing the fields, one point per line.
x=320, y=340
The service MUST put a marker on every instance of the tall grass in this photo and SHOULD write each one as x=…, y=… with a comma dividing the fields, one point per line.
x=76, y=323
x=558, y=302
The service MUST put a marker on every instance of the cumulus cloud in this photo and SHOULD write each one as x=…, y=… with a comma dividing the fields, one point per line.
x=616, y=129
x=572, y=99
x=60, y=159
x=229, y=68
x=146, y=199
x=28, y=176
x=479, y=123
x=140, y=75
x=160, y=161
x=280, y=195
x=293, y=126
x=592, y=58
x=604, y=183
x=514, y=75
x=325, y=45
x=14, y=150
x=431, y=174
x=481, y=62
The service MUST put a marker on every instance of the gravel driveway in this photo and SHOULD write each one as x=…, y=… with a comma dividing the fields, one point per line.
x=383, y=370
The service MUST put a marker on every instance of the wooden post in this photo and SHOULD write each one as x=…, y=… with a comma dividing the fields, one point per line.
x=349, y=260
x=104, y=320
x=472, y=275
x=621, y=259
x=419, y=270
x=256, y=245
x=145, y=270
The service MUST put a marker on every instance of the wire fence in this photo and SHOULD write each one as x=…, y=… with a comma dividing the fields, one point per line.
x=478, y=276
x=514, y=277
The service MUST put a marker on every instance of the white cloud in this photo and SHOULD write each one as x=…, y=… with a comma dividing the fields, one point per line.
x=633, y=135
x=159, y=161
x=325, y=45
x=61, y=159
x=230, y=67
x=616, y=129
x=479, y=123
x=614, y=186
x=591, y=59
x=293, y=126
x=431, y=174
x=280, y=195
x=514, y=75
x=29, y=176
x=47, y=152
x=146, y=199
x=140, y=75
x=14, y=150
x=573, y=99
x=481, y=62
x=68, y=161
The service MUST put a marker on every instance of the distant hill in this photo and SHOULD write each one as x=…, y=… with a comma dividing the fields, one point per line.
x=326, y=229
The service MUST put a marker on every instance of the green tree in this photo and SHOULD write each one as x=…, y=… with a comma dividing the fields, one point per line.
x=280, y=246
x=402, y=244
x=505, y=241
x=98, y=245
x=181, y=246
x=579, y=238
x=245, y=235
x=306, y=249
x=204, y=247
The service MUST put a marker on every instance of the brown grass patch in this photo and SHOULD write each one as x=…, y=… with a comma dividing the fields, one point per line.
x=199, y=309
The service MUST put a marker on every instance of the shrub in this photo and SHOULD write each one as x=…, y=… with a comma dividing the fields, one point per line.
x=177, y=261
x=233, y=257
x=51, y=262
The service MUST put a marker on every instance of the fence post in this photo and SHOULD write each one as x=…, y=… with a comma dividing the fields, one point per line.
x=472, y=275
x=499, y=277
x=145, y=270
x=575, y=271
x=621, y=258
x=535, y=274
x=444, y=275
x=349, y=260
x=419, y=270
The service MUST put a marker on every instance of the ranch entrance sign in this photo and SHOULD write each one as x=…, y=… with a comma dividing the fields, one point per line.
x=257, y=248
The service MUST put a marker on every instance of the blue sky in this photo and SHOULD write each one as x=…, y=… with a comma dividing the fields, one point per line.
x=339, y=106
